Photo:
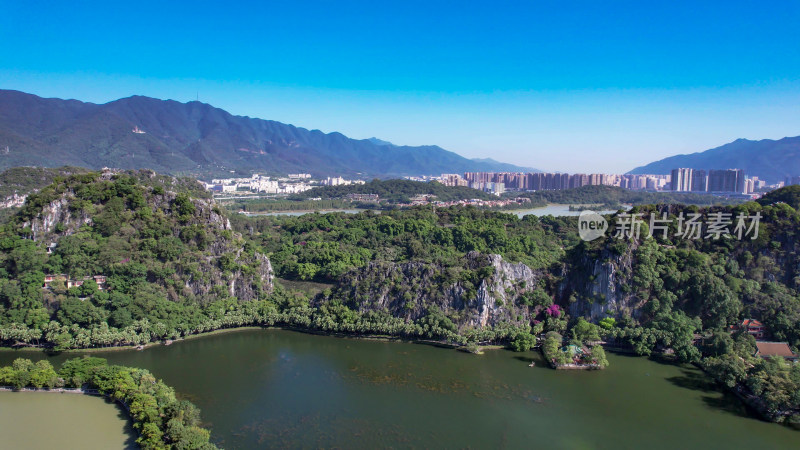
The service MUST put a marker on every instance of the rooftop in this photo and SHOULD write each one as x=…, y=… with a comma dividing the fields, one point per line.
x=774, y=349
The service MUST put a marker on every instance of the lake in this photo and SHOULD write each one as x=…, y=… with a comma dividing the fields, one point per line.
x=278, y=388
x=555, y=210
x=37, y=420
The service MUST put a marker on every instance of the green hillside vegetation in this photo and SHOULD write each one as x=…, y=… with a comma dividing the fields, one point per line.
x=164, y=248
x=271, y=205
x=323, y=247
x=613, y=195
x=24, y=180
x=396, y=191
x=175, y=268
x=789, y=195
x=161, y=420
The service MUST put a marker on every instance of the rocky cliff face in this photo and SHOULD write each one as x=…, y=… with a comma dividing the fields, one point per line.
x=488, y=289
x=484, y=293
x=595, y=288
x=57, y=212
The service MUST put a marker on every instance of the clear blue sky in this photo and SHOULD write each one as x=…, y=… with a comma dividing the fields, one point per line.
x=562, y=85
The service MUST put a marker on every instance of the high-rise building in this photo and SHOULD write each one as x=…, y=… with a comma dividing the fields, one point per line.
x=681, y=180
x=749, y=186
x=727, y=180
x=791, y=181
x=699, y=181
x=452, y=179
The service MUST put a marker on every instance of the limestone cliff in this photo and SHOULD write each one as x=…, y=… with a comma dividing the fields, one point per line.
x=487, y=290
x=595, y=287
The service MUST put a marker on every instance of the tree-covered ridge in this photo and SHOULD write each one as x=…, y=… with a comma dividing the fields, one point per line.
x=166, y=253
x=612, y=195
x=396, y=191
x=789, y=195
x=25, y=180
x=325, y=246
x=684, y=297
x=717, y=281
x=161, y=420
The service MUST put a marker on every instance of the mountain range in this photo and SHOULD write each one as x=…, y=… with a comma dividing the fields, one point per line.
x=770, y=160
x=197, y=138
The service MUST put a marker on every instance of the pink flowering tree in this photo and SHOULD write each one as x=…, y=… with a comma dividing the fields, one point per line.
x=553, y=311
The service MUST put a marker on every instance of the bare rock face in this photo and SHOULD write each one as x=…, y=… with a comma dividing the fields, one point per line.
x=57, y=212
x=484, y=294
x=497, y=294
x=601, y=294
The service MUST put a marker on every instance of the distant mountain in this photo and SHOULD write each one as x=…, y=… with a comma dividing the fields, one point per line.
x=381, y=142
x=767, y=159
x=173, y=137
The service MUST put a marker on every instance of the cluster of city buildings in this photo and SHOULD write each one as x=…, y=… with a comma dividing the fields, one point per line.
x=791, y=181
x=291, y=184
x=258, y=183
x=425, y=199
x=339, y=181
x=720, y=181
x=499, y=182
x=731, y=182
x=715, y=181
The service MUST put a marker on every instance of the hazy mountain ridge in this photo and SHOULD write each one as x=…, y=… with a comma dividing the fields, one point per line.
x=768, y=159
x=198, y=138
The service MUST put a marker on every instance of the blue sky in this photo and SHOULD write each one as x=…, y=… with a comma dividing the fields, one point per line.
x=563, y=85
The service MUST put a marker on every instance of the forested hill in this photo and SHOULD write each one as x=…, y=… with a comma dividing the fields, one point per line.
x=24, y=180
x=768, y=159
x=170, y=264
x=789, y=195
x=396, y=191
x=613, y=195
x=199, y=139
x=157, y=246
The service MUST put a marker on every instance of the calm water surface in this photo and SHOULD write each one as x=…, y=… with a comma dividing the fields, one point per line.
x=277, y=388
x=37, y=420
x=555, y=211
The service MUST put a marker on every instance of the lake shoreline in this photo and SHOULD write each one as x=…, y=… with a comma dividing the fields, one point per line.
x=396, y=367
x=168, y=342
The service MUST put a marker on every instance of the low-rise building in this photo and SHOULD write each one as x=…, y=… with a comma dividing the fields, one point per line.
x=769, y=349
x=73, y=282
x=753, y=328
x=370, y=198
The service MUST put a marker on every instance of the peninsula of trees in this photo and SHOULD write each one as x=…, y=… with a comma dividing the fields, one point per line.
x=161, y=420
